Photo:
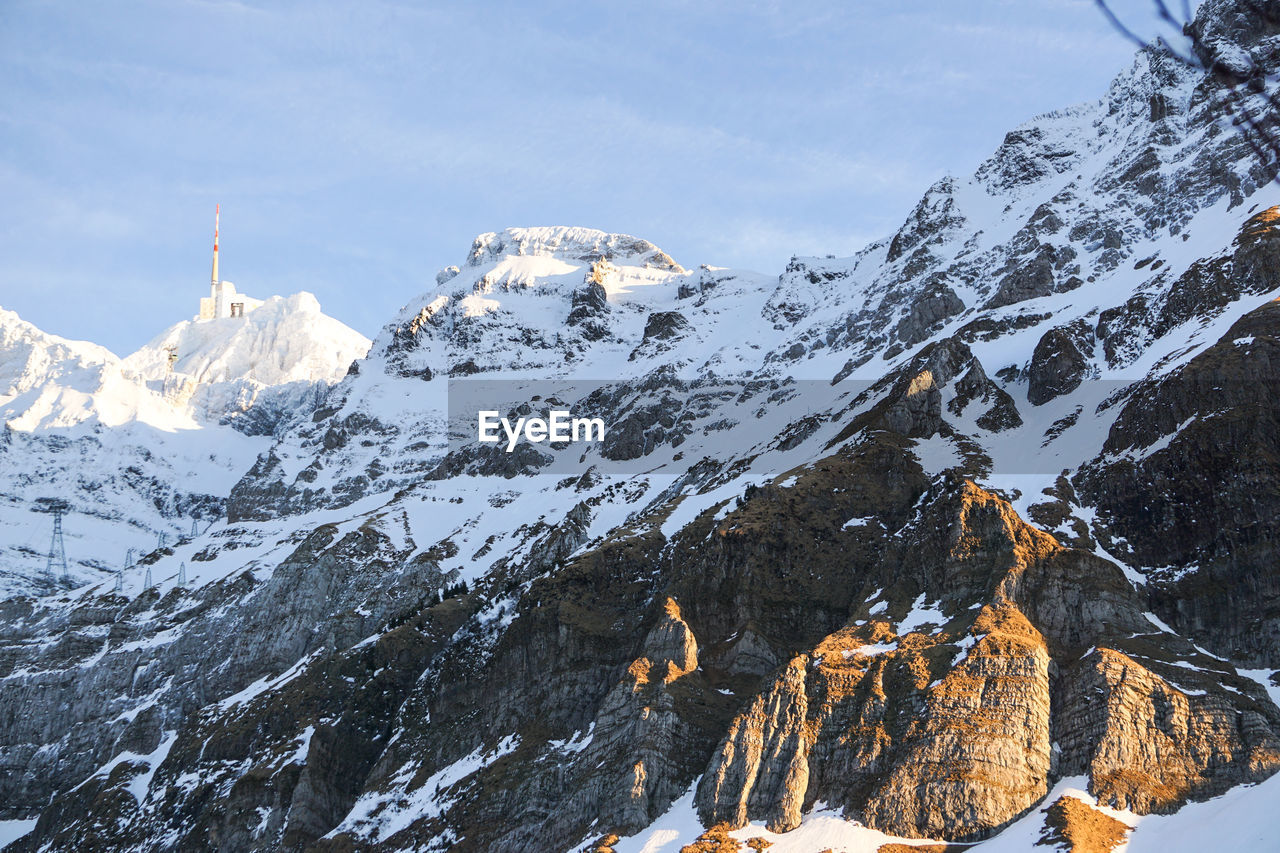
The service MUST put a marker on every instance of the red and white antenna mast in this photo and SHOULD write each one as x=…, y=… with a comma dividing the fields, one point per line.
x=213, y=282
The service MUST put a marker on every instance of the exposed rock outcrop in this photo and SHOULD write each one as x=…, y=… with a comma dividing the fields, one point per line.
x=887, y=725
x=1061, y=361
x=1189, y=478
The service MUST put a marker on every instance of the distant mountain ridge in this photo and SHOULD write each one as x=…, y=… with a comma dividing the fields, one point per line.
x=139, y=446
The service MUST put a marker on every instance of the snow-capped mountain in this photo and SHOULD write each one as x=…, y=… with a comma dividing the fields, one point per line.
x=139, y=446
x=969, y=537
x=283, y=340
x=564, y=303
x=53, y=383
x=253, y=371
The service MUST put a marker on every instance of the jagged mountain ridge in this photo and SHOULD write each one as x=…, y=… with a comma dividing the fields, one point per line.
x=139, y=447
x=869, y=612
x=564, y=302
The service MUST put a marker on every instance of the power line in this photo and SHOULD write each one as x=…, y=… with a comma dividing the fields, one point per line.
x=57, y=558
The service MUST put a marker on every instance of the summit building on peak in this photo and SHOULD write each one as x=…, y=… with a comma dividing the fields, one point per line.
x=223, y=300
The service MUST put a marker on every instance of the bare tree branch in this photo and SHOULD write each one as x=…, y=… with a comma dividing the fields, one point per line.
x=1262, y=139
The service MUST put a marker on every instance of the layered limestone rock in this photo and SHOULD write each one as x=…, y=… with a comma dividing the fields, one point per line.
x=1149, y=743
x=980, y=753
x=1188, y=479
x=946, y=728
x=127, y=676
x=915, y=670
x=640, y=716
x=761, y=769
x=1060, y=362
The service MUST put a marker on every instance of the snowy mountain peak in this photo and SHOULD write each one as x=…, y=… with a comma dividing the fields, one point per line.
x=286, y=339
x=150, y=443
x=50, y=382
x=570, y=244
x=528, y=297
x=30, y=357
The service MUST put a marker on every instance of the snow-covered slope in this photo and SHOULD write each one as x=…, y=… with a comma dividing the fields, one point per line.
x=30, y=358
x=286, y=339
x=564, y=303
x=137, y=448
x=48, y=382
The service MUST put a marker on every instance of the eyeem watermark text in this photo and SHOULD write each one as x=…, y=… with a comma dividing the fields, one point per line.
x=558, y=426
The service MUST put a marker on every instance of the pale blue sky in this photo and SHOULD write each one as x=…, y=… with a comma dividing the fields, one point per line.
x=357, y=148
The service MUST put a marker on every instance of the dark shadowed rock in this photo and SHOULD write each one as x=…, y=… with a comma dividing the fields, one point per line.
x=936, y=303
x=1031, y=280
x=1190, y=477
x=1060, y=362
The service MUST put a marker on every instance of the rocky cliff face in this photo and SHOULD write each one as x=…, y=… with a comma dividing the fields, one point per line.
x=1187, y=481
x=969, y=535
x=961, y=711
